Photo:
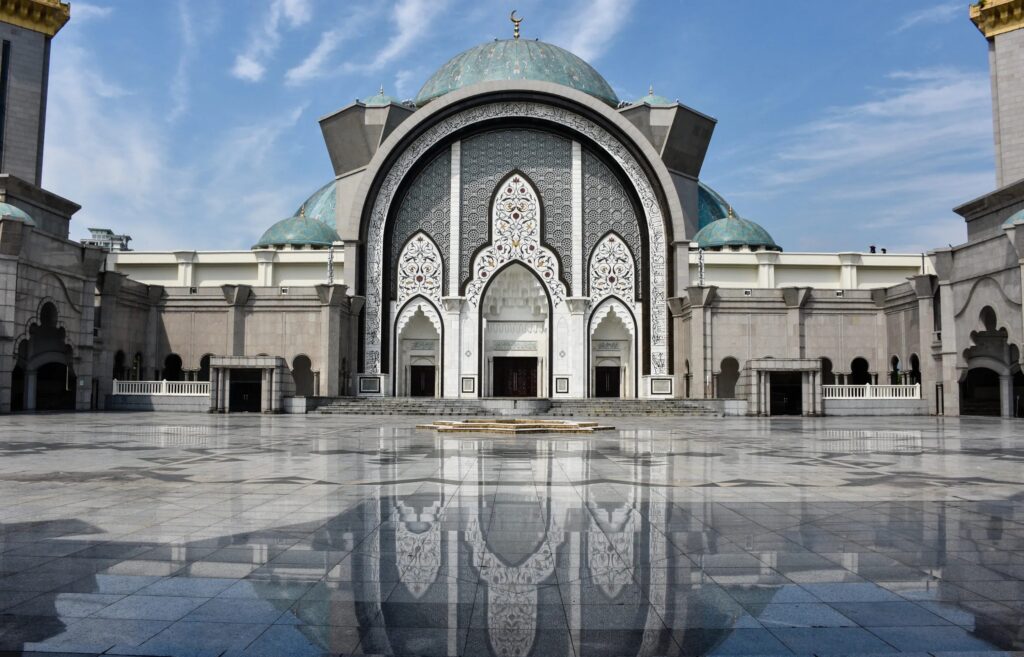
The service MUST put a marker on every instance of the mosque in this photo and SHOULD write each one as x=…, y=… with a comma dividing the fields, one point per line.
x=514, y=231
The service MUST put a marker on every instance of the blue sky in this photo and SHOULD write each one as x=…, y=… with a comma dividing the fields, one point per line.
x=193, y=124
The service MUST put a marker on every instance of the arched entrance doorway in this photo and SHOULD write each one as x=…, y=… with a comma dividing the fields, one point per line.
x=418, y=352
x=46, y=363
x=612, y=351
x=515, y=317
x=979, y=392
x=172, y=368
x=302, y=375
x=859, y=374
x=727, y=378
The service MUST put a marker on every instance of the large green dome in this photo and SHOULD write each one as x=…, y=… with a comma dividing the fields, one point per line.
x=298, y=231
x=516, y=59
x=733, y=231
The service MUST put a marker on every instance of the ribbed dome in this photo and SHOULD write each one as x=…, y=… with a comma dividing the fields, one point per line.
x=11, y=211
x=320, y=205
x=298, y=231
x=1015, y=219
x=654, y=100
x=735, y=231
x=516, y=59
x=381, y=99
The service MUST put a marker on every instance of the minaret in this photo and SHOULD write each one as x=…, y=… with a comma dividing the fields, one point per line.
x=1001, y=21
x=26, y=28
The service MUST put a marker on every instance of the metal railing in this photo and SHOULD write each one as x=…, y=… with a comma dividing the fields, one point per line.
x=161, y=387
x=869, y=391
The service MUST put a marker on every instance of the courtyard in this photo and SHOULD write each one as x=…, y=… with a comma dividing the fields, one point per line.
x=175, y=534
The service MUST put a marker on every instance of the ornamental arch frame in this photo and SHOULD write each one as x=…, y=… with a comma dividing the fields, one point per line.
x=544, y=104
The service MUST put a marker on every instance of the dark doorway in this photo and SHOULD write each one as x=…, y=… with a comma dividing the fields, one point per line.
x=421, y=380
x=246, y=391
x=979, y=393
x=55, y=388
x=515, y=377
x=828, y=377
x=302, y=374
x=786, y=393
x=859, y=374
x=607, y=382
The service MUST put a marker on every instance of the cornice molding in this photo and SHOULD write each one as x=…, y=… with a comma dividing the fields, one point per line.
x=994, y=17
x=45, y=16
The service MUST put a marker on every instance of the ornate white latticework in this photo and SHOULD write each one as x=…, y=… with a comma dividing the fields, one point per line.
x=658, y=350
x=420, y=270
x=612, y=307
x=515, y=237
x=612, y=270
x=409, y=311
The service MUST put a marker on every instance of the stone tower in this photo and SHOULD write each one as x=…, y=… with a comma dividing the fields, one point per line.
x=1001, y=21
x=26, y=28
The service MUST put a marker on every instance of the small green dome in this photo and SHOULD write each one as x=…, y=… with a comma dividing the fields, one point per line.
x=1015, y=219
x=734, y=231
x=381, y=99
x=320, y=205
x=654, y=100
x=14, y=212
x=516, y=59
x=298, y=231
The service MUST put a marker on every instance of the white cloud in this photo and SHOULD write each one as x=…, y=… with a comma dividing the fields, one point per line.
x=943, y=13
x=887, y=170
x=412, y=19
x=180, y=89
x=265, y=38
x=113, y=153
x=591, y=25
x=81, y=12
x=313, y=65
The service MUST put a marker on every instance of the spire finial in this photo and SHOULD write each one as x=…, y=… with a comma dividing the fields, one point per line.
x=650, y=90
x=381, y=92
x=515, y=23
x=731, y=214
x=302, y=210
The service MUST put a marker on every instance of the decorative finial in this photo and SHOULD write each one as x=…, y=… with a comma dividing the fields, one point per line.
x=650, y=90
x=302, y=210
x=731, y=215
x=381, y=92
x=515, y=23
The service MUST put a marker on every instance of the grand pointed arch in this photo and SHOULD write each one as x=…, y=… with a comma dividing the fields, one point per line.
x=398, y=166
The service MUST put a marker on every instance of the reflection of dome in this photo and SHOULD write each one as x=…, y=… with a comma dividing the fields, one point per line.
x=710, y=205
x=320, y=205
x=653, y=99
x=298, y=231
x=8, y=211
x=516, y=59
x=734, y=231
x=1015, y=219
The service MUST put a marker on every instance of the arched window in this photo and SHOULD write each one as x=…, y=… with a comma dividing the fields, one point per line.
x=48, y=315
x=859, y=374
x=120, y=369
x=894, y=371
x=172, y=368
x=828, y=377
x=988, y=318
x=728, y=377
x=204, y=368
x=136, y=373
x=302, y=374
x=915, y=369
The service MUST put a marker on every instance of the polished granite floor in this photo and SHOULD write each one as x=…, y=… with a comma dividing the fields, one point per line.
x=161, y=534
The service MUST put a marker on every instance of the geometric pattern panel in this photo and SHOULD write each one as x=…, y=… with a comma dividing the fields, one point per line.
x=544, y=157
x=420, y=270
x=606, y=206
x=515, y=236
x=426, y=207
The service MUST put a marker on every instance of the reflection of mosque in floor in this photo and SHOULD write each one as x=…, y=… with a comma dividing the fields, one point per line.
x=515, y=230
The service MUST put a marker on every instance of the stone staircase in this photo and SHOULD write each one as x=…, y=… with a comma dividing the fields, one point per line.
x=521, y=407
x=636, y=408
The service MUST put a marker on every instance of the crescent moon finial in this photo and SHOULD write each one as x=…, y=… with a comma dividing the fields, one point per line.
x=515, y=23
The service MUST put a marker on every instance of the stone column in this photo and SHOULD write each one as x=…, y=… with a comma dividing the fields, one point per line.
x=316, y=383
x=451, y=353
x=265, y=390
x=275, y=390
x=226, y=401
x=1006, y=395
x=214, y=390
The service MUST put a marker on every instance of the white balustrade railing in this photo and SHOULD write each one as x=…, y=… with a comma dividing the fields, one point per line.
x=869, y=391
x=161, y=387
